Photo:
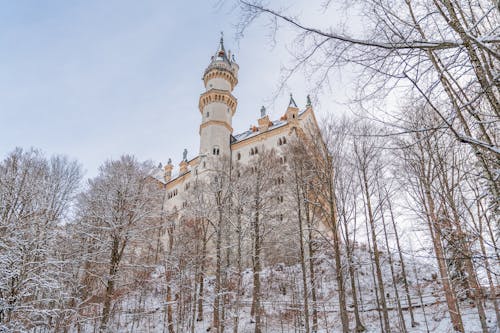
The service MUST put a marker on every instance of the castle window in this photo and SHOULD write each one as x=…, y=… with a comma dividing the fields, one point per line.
x=283, y=159
x=283, y=140
x=172, y=194
x=256, y=151
x=279, y=142
x=280, y=199
x=238, y=156
x=216, y=151
x=208, y=114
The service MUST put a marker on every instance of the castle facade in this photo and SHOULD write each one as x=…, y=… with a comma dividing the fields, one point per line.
x=217, y=107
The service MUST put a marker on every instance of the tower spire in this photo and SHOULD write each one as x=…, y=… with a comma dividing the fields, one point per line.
x=221, y=53
x=221, y=47
x=292, y=102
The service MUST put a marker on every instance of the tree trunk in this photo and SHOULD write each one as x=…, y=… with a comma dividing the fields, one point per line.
x=255, y=312
x=110, y=287
x=376, y=258
x=393, y=274
x=218, y=285
x=312, y=278
x=451, y=300
x=403, y=268
x=240, y=273
x=302, y=253
x=336, y=246
x=359, y=325
x=168, y=276
x=201, y=278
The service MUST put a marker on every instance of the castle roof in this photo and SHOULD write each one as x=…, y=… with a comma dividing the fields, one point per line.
x=159, y=173
x=222, y=59
x=251, y=133
x=221, y=54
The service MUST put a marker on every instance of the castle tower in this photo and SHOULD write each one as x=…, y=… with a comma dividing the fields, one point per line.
x=217, y=105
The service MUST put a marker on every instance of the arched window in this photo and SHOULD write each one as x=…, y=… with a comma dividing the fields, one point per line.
x=208, y=114
x=283, y=140
x=238, y=156
x=256, y=151
x=279, y=142
x=216, y=151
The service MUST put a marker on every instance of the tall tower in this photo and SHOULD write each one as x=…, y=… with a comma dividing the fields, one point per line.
x=217, y=105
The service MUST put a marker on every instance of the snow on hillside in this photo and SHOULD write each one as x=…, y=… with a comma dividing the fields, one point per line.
x=282, y=301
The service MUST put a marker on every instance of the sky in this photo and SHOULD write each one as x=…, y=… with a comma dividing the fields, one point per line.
x=97, y=79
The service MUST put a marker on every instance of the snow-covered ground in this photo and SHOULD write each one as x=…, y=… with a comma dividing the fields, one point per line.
x=282, y=302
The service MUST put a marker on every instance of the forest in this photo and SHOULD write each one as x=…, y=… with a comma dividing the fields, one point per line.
x=384, y=221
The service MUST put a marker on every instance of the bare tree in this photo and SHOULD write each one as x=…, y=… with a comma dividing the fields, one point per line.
x=446, y=52
x=368, y=163
x=260, y=172
x=36, y=194
x=317, y=149
x=338, y=131
x=116, y=212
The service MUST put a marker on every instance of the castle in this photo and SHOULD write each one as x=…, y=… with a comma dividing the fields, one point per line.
x=217, y=106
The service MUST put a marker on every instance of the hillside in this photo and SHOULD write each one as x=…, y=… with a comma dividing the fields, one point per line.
x=282, y=301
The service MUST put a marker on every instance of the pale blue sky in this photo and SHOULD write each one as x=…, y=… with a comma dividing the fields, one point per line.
x=97, y=79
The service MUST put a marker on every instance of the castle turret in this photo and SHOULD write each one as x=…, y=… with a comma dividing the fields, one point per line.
x=217, y=105
x=292, y=111
x=264, y=121
x=168, y=170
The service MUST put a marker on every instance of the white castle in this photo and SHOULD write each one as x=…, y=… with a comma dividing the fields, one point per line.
x=217, y=107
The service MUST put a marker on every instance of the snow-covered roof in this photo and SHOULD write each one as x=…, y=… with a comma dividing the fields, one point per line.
x=159, y=173
x=250, y=133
